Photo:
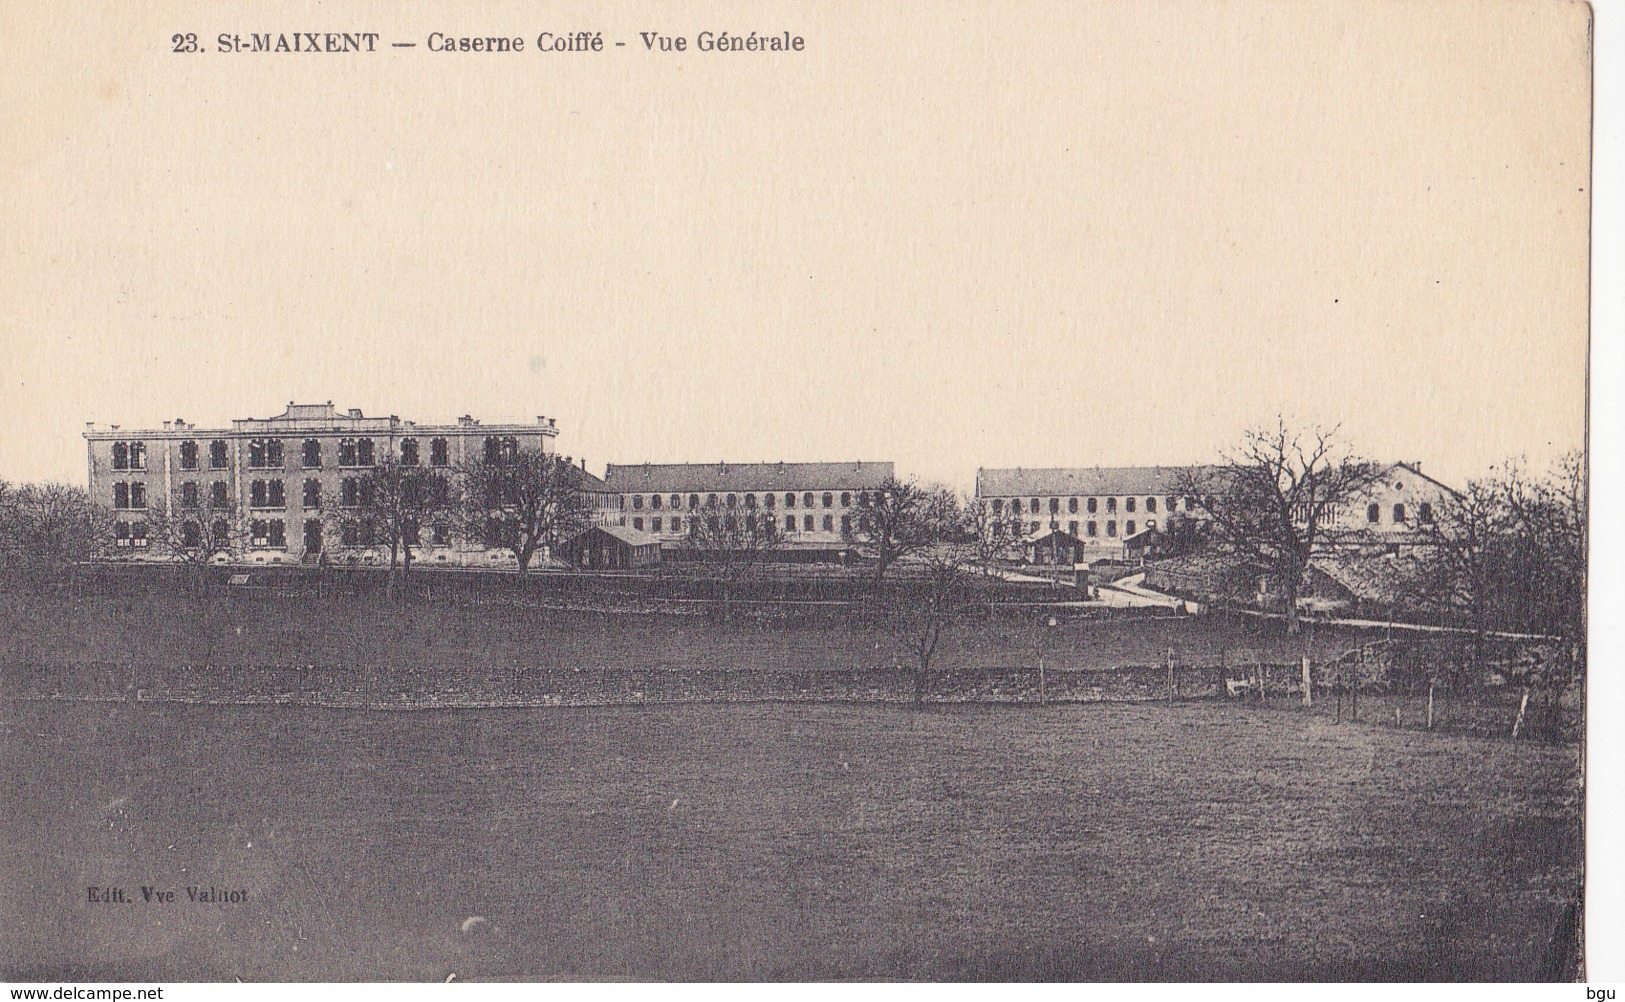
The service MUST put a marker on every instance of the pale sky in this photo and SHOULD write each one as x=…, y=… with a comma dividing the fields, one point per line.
x=948, y=235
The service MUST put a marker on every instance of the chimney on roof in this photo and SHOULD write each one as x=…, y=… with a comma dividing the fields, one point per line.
x=583, y=464
x=355, y=412
x=166, y=425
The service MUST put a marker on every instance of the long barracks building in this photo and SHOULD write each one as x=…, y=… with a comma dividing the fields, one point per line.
x=1104, y=505
x=812, y=503
x=279, y=474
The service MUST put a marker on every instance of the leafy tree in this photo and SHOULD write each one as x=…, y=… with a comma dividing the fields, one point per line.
x=1273, y=502
x=523, y=502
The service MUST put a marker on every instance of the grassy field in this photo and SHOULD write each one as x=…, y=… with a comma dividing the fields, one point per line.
x=1201, y=841
x=169, y=628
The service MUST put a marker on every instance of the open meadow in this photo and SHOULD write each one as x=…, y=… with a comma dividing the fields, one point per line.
x=1198, y=841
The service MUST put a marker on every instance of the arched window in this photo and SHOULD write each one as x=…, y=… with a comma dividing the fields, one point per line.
x=1129, y=528
x=654, y=502
x=409, y=452
x=710, y=500
x=846, y=499
x=217, y=454
x=217, y=494
x=189, y=495
x=189, y=456
x=732, y=500
x=789, y=523
x=1054, y=507
x=770, y=500
x=677, y=525
x=1151, y=505
x=829, y=523
x=1111, y=505
x=1128, y=504
x=1094, y=505
x=807, y=501
x=750, y=501
x=1399, y=513
x=637, y=502
x=693, y=501
x=347, y=452
x=998, y=506
x=676, y=502
x=1424, y=513
x=121, y=456
x=829, y=501
x=1072, y=507
x=439, y=452
x=1373, y=513
x=310, y=454
x=789, y=500
x=1015, y=506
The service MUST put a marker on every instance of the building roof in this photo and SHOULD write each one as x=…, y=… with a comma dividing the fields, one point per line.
x=1079, y=481
x=629, y=536
x=682, y=478
x=1042, y=535
x=1376, y=579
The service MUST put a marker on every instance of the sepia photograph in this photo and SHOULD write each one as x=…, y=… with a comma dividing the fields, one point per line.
x=792, y=492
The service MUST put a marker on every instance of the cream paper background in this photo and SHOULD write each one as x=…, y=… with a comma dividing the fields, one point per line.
x=946, y=234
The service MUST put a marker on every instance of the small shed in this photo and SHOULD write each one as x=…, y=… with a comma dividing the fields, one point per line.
x=1145, y=544
x=1053, y=548
x=611, y=547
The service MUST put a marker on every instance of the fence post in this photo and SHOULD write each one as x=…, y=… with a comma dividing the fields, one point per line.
x=1430, y=706
x=1517, y=725
x=1170, y=676
x=1308, y=687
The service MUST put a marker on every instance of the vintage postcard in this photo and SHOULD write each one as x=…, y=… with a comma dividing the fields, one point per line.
x=931, y=491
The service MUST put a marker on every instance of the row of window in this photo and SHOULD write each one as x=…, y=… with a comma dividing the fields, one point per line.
x=272, y=533
x=267, y=453
x=1424, y=513
x=809, y=523
x=1091, y=505
x=769, y=501
x=354, y=492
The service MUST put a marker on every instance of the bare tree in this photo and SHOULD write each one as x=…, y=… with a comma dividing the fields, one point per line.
x=391, y=505
x=1274, y=501
x=1550, y=516
x=901, y=518
x=920, y=613
x=47, y=529
x=1464, y=560
x=992, y=533
x=732, y=540
x=523, y=502
x=181, y=527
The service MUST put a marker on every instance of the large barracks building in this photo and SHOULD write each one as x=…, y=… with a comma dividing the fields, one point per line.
x=278, y=474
